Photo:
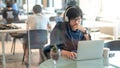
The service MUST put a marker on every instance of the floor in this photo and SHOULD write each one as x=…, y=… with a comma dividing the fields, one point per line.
x=15, y=61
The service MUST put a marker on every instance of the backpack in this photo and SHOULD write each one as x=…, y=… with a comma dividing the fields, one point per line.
x=10, y=17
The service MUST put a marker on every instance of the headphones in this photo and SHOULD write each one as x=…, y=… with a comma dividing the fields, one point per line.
x=66, y=17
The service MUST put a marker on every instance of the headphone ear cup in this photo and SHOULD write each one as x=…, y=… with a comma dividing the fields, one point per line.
x=66, y=19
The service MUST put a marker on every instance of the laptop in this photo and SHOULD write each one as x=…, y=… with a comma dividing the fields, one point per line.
x=89, y=50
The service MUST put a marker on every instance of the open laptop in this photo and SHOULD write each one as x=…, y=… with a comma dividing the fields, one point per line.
x=89, y=50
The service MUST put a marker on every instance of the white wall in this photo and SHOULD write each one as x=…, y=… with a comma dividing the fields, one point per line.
x=29, y=5
x=90, y=7
x=57, y=4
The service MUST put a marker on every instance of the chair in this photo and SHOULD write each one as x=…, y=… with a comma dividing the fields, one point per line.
x=15, y=37
x=52, y=18
x=37, y=39
x=113, y=45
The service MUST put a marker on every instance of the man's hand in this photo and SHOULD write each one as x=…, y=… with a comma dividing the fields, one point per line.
x=68, y=54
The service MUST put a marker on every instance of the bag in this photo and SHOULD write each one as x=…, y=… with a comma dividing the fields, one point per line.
x=17, y=35
x=10, y=17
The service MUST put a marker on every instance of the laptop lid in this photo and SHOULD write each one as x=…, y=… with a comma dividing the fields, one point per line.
x=90, y=49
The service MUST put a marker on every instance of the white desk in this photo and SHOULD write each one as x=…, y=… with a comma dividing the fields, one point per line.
x=3, y=39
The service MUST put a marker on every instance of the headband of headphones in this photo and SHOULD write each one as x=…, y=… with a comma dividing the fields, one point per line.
x=66, y=17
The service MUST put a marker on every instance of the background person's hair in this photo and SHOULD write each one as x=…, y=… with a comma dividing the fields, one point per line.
x=37, y=9
x=72, y=12
x=72, y=3
x=9, y=4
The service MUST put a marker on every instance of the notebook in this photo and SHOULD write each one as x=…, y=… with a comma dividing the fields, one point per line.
x=89, y=50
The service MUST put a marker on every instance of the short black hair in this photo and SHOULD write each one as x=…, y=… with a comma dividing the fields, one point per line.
x=73, y=12
x=9, y=4
x=37, y=9
x=72, y=3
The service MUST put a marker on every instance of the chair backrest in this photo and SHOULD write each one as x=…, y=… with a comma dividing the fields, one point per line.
x=113, y=45
x=52, y=18
x=38, y=38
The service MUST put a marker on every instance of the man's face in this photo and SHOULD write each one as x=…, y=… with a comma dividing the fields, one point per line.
x=74, y=23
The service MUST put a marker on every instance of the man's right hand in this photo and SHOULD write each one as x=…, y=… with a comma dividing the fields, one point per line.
x=68, y=54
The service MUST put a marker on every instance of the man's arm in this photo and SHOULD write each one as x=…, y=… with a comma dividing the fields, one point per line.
x=4, y=14
x=68, y=54
x=56, y=35
x=85, y=32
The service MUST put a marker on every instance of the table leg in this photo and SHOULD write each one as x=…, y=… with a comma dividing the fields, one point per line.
x=3, y=50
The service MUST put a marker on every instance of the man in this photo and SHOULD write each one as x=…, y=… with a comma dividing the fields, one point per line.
x=9, y=14
x=35, y=22
x=2, y=6
x=67, y=34
x=72, y=3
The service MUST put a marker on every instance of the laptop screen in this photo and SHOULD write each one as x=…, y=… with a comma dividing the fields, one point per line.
x=90, y=49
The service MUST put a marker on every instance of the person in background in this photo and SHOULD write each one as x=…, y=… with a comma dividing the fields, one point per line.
x=2, y=6
x=59, y=18
x=66, y=35
x=14, y=6
x=72, y=3
x=9, y=14
x=36, y=21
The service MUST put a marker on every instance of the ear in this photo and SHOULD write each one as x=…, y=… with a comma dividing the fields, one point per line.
x=65, y=14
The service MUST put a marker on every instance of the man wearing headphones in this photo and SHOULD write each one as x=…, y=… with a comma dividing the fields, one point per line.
x=66, y=35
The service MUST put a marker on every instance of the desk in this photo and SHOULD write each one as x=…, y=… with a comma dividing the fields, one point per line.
x=61, y=63
x=115, y=61
x=66, y=63
x=3, y=39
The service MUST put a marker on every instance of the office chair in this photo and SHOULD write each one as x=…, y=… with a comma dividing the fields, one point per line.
x=37, y=39
x=113, y=45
